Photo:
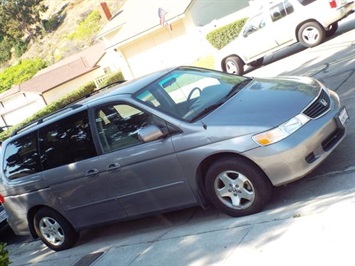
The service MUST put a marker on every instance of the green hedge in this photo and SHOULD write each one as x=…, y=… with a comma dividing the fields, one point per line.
x=220, y=37
x=112, y=79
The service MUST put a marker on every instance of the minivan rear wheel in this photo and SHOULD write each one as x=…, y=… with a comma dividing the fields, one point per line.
x=54, y=230
x=311, y=34
x=237, y=187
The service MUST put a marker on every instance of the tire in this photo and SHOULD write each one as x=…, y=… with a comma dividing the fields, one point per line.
x=54, y=230
x=331, y=29
x=257, y=63
x=311, y=34
x=234, y=65
x=236, y=187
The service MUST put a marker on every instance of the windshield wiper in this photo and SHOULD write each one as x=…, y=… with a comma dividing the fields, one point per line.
x=237, y=87
x=207, y=110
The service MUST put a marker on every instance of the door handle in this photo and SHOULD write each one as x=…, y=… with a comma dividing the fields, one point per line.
x=91, y=173
x=114, y=167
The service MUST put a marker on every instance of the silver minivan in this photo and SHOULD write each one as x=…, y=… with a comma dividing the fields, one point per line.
x=172, y=139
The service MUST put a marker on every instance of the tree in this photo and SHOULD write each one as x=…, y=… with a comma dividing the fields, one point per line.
x=21, y=18
x=19, y=73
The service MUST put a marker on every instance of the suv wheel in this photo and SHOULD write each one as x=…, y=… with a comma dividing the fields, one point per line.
x=331, y=29
x=54, y=230
x=236, y=187
x=234, y=65
x=311, y=34
x=257, y=63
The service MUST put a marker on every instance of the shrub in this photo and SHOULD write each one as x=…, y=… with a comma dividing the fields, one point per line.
x=4, y=255
x=5, y=50
x=20, y=47
x=220, y=37
x=19, y=73
x=87, y=28
x=52, y=23
x=112, y=79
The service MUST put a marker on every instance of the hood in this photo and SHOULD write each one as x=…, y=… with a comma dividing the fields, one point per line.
x=266, y=102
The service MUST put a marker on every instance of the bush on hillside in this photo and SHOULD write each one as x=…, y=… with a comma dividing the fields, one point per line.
x=5, y=50
x=19, y=73
x=87, y=29
x=220, y=37
x=52, y=23
x=20, y=47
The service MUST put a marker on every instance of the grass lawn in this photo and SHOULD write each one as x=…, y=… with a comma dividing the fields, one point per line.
x=205, y=62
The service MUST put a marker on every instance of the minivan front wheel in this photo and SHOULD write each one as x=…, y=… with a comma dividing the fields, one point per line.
x=237, y=187
x=234, y=65
x=311, y=34
x=54, y=230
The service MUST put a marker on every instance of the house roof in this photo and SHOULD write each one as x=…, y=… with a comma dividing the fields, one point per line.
x=139, y=16
x=57, y=76
x=60, y=72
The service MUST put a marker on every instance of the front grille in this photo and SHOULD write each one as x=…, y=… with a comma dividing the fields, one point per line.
x=320, y=106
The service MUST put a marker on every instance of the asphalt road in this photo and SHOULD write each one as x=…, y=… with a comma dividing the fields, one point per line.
x=333, y=63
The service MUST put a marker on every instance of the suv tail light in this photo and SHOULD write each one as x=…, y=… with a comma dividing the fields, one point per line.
x=2, y=199
x=333, y=3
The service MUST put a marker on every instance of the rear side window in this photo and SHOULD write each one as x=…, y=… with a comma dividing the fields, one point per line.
x=66, y=141
x=281, y=10
x=21, y=157
x=306, y=2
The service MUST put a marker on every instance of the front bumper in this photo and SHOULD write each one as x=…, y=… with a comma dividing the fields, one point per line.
x=301, y=152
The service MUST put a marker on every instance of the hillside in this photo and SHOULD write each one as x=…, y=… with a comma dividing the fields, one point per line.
x=54, y=46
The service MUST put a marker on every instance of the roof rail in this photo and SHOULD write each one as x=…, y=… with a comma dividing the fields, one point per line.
x=72, y=105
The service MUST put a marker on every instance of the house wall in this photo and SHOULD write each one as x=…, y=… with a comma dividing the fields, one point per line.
x=18, y=107
x=161, y=49
x=62, y=90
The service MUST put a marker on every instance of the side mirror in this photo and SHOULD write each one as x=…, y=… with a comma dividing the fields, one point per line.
x=150, y=133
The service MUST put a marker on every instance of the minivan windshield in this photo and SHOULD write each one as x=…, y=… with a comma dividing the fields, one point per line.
x=189, y=93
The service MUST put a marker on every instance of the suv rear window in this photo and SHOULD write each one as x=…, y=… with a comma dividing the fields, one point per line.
x=306, y=2
x=281, y=10
x=21, y=157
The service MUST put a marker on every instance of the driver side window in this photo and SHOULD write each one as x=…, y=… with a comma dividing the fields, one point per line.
x=118, y=125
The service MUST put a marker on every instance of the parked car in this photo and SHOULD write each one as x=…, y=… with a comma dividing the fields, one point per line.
x=173, y=139
x=279, y=24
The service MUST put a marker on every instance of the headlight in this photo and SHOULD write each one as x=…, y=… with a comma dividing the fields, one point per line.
x=282, y=131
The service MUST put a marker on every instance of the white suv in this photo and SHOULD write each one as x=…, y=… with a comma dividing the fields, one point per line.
x=279, y=24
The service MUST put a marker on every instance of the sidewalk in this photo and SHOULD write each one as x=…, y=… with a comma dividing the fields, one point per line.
x=310, y=222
